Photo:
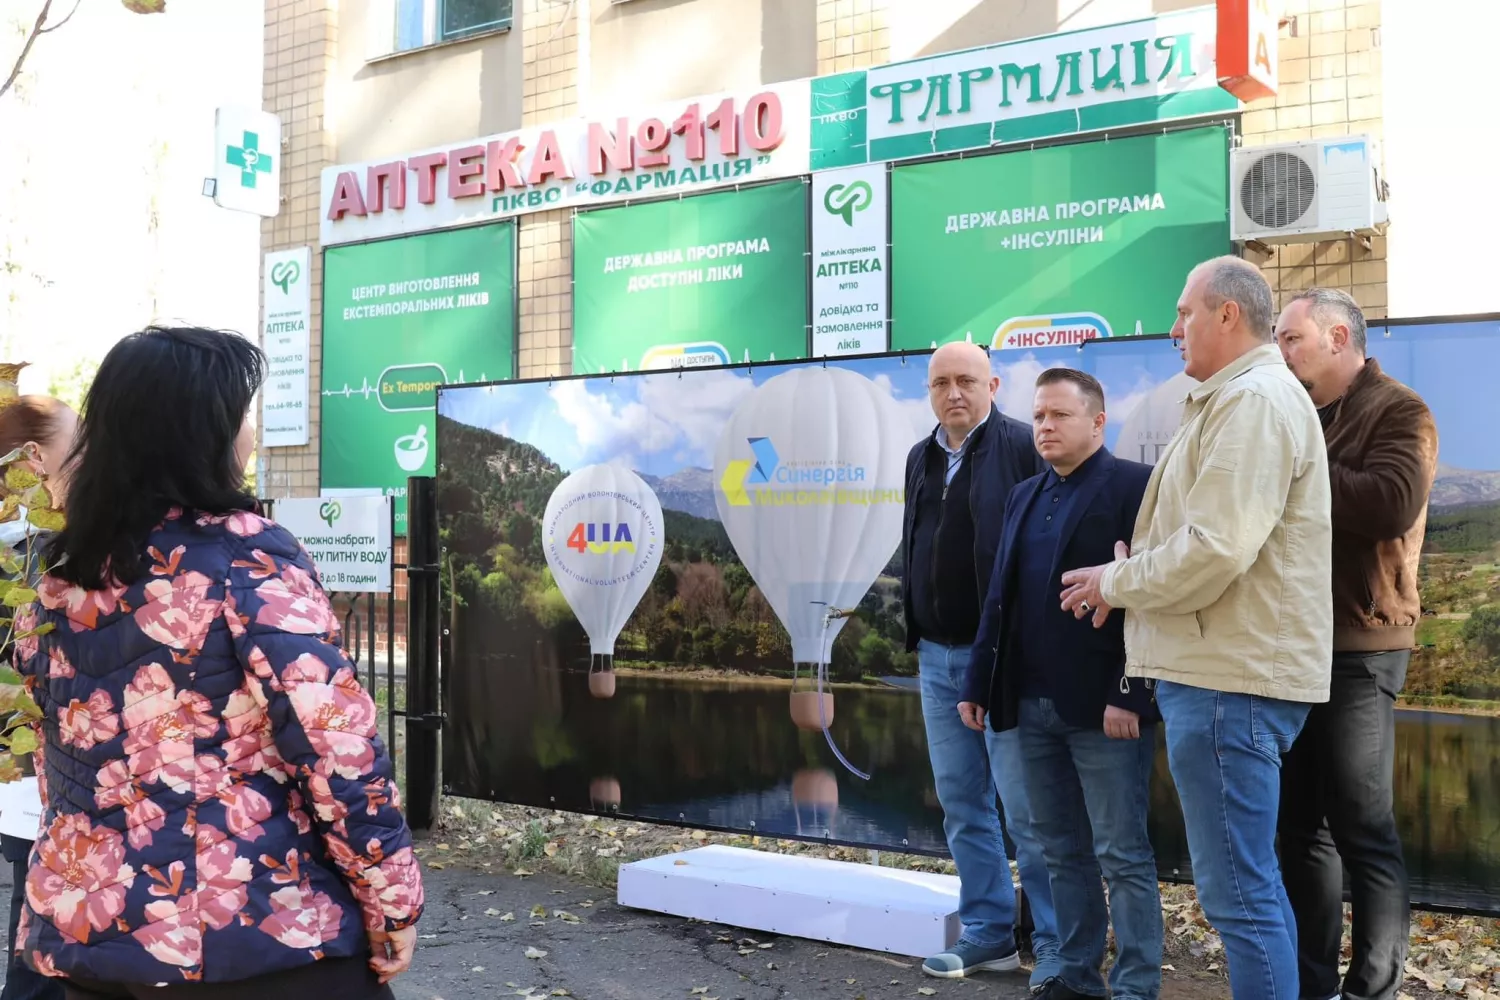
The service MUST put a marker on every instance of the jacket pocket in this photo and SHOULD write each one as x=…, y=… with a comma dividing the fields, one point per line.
x=1188, y=626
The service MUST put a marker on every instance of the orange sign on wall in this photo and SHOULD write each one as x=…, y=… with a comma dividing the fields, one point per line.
x=1246, y=49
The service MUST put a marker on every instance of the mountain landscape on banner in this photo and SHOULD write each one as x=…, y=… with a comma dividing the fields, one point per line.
x=703, y=612
x=1463, y=488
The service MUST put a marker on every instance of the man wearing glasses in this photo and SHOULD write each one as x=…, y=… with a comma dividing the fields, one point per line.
x=956, y=484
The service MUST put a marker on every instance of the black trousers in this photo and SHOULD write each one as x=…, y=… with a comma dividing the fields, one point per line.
x=20, y=982
x=1336, y=813
x=341, y=978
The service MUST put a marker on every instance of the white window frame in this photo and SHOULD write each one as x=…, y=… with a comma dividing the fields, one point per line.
x=385, y=36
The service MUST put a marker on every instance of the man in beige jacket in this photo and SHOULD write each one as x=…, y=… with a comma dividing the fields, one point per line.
x=1227, y=590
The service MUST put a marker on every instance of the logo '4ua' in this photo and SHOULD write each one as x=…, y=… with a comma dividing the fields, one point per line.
x=601, y=538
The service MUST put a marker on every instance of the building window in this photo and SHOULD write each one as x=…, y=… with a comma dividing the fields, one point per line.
x=428, y=22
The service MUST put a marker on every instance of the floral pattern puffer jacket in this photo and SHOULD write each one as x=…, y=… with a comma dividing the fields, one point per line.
x=218, y=805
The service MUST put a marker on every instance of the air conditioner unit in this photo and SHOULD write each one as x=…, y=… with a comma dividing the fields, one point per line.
x=1302, y=192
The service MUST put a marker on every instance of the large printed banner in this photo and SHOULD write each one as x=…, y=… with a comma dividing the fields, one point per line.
x=709, y=280
x=400, y=318
x=1055, y=246
x=756, y=500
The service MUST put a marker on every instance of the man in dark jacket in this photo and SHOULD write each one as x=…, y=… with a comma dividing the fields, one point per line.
x=956, y=484
x=1336, y=799
x=1087, y=734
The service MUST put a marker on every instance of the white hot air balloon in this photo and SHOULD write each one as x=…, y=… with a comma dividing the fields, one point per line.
x=603, y=540
x=810, y=474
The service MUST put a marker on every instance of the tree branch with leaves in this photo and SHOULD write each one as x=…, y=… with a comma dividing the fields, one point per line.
x=23, y=494
x=42, y=26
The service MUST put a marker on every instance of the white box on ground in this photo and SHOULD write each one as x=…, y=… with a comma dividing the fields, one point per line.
x=861, y=906
x=348, y=537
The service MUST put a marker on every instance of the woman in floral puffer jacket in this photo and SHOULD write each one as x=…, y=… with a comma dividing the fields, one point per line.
x=220, y=814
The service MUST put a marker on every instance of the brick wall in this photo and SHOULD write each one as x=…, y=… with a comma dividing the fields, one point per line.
x=852, y=34
x=1330, y=85
x=550, y=69
x=300, y=45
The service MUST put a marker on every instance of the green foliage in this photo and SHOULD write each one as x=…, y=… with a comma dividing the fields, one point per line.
x=22, y=484
x=1469, y=529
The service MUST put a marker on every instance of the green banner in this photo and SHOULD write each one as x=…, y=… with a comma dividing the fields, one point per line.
x=708, y=280
x=1055, y=246
x=400, y=318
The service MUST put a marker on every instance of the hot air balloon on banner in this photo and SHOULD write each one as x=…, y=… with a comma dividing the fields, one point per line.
x=811, y=476
x=603, y=542
x=1150, y=424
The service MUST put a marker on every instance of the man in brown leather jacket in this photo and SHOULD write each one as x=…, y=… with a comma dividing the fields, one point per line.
x=1336, y=798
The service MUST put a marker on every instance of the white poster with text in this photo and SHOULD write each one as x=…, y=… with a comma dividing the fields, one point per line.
x=286, y=341
x=850, y=256
x=348, y=537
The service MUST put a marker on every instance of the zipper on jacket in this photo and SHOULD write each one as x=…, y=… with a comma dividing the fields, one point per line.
x=937, y=535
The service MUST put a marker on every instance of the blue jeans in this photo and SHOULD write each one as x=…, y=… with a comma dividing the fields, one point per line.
x=1225, y=753
x=968, y=768
x=1089, y=797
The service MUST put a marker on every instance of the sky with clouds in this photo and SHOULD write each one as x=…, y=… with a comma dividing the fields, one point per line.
x=659, y=423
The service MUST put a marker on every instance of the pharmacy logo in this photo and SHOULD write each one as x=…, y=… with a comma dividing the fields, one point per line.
x=285, y=273
x=248, y=157
x=843, y=200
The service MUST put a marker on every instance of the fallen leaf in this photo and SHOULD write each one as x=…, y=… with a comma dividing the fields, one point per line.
x=698, y=991
x=427, y=937
x=587, y=903
x=927, y=991
x=566, y=917
x=442, y=847
x=763, y=947
x=535, y=953
x=680, y=862
x=507, y=917
x=477, y=968
x=485, y=892
x=849, y=981
x=551, y=849
x=538, y=911
x=521, y=873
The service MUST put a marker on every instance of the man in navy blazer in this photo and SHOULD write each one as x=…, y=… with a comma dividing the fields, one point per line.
x=1087, y=734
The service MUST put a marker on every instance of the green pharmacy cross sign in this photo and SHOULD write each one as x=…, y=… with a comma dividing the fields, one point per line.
x=248, y=157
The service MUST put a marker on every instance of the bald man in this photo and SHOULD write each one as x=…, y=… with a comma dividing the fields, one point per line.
x=1230, y=614
x=956, y=484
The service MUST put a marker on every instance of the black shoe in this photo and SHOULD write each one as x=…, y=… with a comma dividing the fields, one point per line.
x=1056, y=989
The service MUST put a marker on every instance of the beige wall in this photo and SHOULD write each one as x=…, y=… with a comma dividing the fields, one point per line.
x=1330, y=73
x=399, y=103
x=925, y=27
x=649, y=51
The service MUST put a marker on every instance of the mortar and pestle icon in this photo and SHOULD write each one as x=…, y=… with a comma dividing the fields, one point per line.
x=411, y=450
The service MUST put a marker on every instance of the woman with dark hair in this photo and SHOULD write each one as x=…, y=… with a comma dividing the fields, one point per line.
x=220, y=817
x=43, y=427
